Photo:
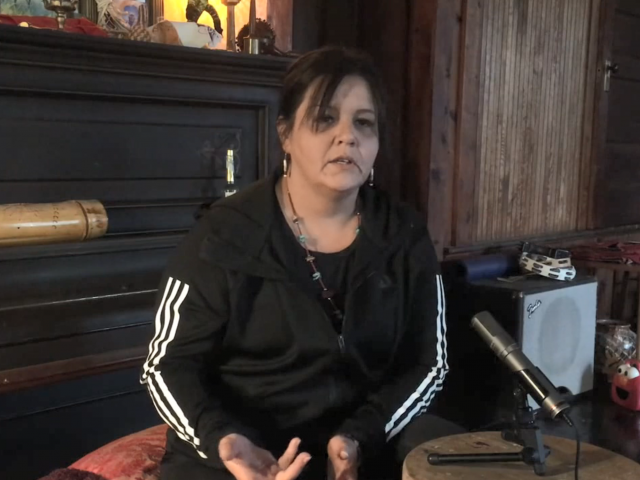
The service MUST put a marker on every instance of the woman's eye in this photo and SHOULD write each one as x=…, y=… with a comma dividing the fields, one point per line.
x=326, y=119
x=365, y=122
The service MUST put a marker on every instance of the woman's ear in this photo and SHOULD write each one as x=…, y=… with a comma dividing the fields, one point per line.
x=283, y=133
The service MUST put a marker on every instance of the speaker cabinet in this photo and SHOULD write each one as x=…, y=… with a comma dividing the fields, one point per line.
x=553, y=321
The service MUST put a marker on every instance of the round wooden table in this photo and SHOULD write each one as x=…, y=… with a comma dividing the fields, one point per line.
x=595, y=463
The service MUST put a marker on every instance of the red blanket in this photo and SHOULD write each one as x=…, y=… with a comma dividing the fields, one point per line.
x=72, y=25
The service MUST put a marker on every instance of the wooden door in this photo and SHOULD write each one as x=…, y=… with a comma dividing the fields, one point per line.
x=520, y=163
x=618, y=181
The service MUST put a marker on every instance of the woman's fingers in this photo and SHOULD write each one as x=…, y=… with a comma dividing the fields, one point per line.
x=295, y=469
x=290, y=454
x=227, y=449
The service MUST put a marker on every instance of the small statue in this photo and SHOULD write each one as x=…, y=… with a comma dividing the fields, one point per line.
x=195, y=8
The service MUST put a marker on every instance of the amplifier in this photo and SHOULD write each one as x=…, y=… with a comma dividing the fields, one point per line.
x=553, y=321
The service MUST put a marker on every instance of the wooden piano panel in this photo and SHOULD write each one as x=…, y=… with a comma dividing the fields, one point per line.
x=144, y=129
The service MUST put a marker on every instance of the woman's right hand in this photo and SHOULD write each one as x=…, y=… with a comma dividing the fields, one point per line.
x=245, y=461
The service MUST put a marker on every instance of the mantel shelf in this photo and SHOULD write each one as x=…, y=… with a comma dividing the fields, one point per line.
x=50, y=48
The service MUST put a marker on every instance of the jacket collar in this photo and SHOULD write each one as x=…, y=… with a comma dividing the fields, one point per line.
x=242, y=231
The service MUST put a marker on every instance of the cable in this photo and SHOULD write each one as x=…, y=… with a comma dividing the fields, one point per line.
x=569, y=422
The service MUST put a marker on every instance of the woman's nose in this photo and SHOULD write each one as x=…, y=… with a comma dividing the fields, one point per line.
x=346, y=135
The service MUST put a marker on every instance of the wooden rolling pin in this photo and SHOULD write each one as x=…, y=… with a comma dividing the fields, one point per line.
x=44, y=223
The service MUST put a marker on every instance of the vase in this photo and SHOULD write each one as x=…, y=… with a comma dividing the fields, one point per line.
x=615, y=343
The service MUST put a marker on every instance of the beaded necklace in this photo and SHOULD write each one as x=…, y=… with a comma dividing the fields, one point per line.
x=327, y=294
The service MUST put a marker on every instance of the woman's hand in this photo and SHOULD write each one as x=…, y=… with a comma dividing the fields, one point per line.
x=245, y=461
x=343, y=458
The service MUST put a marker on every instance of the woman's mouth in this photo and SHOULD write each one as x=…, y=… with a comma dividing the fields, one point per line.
x=344, y=161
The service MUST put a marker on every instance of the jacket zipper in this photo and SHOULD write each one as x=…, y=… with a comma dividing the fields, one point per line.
x=341, y=342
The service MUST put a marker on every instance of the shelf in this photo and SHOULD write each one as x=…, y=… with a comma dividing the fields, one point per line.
x=28, y=46
x=122, y=243
x=62, y=370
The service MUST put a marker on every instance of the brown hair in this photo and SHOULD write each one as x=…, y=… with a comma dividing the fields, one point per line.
x=329, y=66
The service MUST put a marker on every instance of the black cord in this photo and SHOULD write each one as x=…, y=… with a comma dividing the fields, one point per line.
x=569, y=422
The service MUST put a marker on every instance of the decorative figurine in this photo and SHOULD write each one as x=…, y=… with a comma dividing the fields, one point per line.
x=195, y=8
x=625, y=388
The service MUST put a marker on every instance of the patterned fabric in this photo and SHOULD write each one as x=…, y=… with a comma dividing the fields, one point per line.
x=72, y=474
x=626, y=253
x=140, y=34
x=134, y=457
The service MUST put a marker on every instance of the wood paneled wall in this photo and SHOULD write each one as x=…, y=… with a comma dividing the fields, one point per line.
x=530, y=158
x=281, y=19
x=501, y=117
x=500, y=101
x=527, y=110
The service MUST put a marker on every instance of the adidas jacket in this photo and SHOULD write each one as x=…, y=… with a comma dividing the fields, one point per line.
x=241, y=347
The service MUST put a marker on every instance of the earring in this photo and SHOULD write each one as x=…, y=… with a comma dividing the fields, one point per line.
x=286, y=164
x=371, y=178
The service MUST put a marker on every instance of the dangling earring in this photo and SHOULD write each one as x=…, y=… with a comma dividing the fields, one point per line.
x=371, y=178
x=286, y=164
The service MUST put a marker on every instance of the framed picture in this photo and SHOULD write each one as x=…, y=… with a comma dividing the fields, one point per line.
x=30, y=8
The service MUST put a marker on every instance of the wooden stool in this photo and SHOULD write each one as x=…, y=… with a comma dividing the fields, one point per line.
x=595, y=463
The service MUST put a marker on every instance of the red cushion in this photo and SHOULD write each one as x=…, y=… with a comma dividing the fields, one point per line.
x=134, y=457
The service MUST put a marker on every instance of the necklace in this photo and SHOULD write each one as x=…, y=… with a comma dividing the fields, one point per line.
x=327, y=294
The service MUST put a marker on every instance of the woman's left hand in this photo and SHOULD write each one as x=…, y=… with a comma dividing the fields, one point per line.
x=343, y=459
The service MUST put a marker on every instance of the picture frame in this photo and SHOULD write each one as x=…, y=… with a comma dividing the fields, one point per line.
x=28, y=8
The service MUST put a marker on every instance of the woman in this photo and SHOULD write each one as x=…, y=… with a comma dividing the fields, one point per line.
x=304, y=316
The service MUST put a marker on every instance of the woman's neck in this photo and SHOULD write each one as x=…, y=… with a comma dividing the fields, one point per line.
x=329, y=222
x=313, y=205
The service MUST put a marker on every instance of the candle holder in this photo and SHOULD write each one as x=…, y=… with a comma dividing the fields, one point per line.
x=231, y=23
x=263, y=40
x=61, y=8
x=252, y=41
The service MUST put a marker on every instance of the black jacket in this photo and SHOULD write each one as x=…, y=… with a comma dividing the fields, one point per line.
x=242, y=345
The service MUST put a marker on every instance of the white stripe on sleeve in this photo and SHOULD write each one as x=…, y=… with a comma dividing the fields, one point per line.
x=419, y=400
x=160, y=328
x=167, y=322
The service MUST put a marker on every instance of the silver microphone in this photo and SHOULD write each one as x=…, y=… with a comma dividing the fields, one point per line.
x=531, y=378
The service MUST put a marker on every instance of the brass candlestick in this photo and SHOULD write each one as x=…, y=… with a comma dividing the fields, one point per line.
x=252, y=42
x=61, y=8
x=231, y=23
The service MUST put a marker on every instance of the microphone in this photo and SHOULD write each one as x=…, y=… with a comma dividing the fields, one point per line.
x=531, y=378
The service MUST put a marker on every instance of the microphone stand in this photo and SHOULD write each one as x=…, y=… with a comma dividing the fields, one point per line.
x=524, y=431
